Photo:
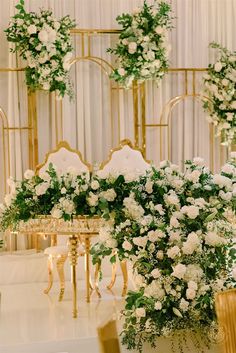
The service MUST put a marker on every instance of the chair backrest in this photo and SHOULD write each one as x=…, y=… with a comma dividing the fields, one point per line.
x=125, y=158
x=64, y=157
x=108, y=337
x=226, y=313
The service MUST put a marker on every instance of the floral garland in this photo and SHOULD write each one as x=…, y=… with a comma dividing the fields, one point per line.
x=220, y=93
x=44, y=43
x=143, y=48
x=177, y=230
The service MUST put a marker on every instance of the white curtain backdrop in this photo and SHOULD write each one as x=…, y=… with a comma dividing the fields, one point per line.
x=87, y=120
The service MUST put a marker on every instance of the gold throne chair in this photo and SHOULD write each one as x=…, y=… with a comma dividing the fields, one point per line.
x=63, y=157
x=123, y=159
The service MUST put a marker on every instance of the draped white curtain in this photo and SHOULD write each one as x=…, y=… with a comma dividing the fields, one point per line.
x=87, y=120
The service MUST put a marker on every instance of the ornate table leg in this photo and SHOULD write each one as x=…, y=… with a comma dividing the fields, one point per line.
x=123, y=266
x=96, y=279
x=87, y=267
x=73, y=256
x=113, y=276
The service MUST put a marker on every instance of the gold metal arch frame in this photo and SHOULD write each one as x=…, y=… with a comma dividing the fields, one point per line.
x=165, y=122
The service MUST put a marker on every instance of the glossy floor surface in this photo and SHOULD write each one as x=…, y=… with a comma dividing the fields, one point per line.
x=32, y=322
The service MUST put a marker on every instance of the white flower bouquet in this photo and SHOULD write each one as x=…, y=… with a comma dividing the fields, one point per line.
x=44, y=43
x=143, y=47
x=178, y=229
x=219, y=94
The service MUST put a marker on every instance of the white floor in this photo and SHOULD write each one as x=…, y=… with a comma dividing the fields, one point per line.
x=32, y=322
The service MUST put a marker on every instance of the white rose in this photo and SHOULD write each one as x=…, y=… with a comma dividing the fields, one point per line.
x=198, y=161
x=173, y=252
x=179, y=271
x=190, y=293
x=111, y=243
x=156, y=273
x=44, y=176
x=193, y=176
x=159, y=30
x=63, y=190
x=228, y=169
x=94, y=184
x=43, y=36
x=32, y=29
x=121, y=71
x=149, y=187
x=132, y=47
x=41, y=188
x=52, y=35
x=158, y=305
x=140, y=312
x=218, y=66
x=160, y=255
x=29, y=174
x=221, y=181
x=92, y=199
x=140, y=241
x=183, y=305
x=192, y=285
x=192, y=212
x=127, y=245
x=56, y=213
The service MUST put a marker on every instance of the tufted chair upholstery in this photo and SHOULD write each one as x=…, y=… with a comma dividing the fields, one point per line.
x=124, y=159
x=63, y=158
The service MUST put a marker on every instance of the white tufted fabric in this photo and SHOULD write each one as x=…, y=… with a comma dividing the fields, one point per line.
x=63, y=159
x=125, y=160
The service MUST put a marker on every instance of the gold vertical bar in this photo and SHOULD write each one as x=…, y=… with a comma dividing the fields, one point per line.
x=143, y=117
x=89, y=44
x=82, y=44
x=135, y=108
x=186, y=81
x=87, y=267
x=30, y=133
x=194, y=82
x=55, y=118
x=61, y=121
x=35, y=131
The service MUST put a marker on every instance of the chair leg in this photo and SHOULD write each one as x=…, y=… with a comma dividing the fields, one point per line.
x=123, y=266
x=113, y=276
x=50, y=275
x=96, y=279
x=60, y=269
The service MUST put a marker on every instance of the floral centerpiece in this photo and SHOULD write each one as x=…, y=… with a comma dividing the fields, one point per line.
x=143, y=47
x=44, y=43
x=220, y=93
x=178, y=230
x=49, y=193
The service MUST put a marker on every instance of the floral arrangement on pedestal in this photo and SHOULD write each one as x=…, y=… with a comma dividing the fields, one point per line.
x=143, y=47
x=178, y=231
x=44, y=43
x=220, y=93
